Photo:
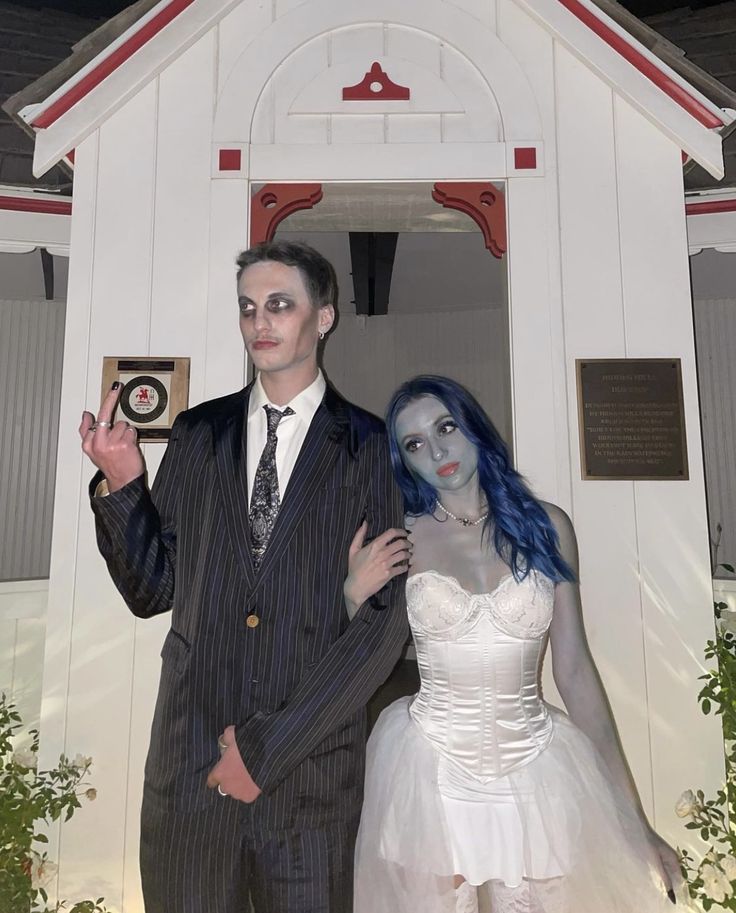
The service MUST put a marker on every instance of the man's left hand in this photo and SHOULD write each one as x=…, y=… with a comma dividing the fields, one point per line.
x=230, y=773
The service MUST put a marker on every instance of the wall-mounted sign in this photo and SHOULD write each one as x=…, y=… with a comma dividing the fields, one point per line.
x=155, y=391
x=631, y=419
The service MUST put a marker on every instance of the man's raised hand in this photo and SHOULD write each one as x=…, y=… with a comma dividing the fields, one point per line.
x=113, y=448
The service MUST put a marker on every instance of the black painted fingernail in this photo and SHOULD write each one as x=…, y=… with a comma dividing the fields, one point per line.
x=671, y=895
x=116, y=385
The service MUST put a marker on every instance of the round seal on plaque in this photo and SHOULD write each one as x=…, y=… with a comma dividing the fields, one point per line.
x=144, y=399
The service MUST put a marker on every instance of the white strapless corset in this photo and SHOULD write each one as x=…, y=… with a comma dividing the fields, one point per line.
x=479, y=659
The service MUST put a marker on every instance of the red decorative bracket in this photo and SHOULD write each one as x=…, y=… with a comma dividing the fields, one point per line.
x=274, y=202
x=485, y=205
x=376, y=85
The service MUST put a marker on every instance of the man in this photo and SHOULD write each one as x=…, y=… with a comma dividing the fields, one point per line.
x=245, y=535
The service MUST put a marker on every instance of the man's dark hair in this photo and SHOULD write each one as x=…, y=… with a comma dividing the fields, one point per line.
x=317, y=272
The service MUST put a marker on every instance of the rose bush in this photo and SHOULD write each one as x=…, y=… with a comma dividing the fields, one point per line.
x=713, y=879
x=28, y=799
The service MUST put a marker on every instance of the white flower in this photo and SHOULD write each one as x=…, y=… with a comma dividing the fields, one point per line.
x=728, y=621
x=81, y=762
x=715, y=883
x=42, y=871
x=686, y=804
x=728, y=864
x=24, y=757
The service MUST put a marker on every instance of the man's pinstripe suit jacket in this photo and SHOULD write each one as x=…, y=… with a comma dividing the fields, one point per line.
x=295, y=685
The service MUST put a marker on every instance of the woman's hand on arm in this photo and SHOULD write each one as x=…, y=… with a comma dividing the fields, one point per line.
x=371, y=566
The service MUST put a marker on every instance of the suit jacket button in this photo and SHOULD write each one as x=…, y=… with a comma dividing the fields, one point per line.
x=252, y=621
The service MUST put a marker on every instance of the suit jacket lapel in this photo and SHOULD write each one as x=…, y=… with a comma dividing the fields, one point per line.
x=231, y=453
x=326, y=438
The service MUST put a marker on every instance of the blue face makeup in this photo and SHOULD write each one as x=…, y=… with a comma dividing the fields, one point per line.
x=433, y=447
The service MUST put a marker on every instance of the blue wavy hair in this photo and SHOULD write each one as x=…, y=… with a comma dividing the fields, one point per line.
x=523, y=534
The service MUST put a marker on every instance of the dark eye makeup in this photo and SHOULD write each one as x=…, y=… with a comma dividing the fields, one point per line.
x=275, y=305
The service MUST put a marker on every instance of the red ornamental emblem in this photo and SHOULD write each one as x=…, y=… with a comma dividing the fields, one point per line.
x=144, y=399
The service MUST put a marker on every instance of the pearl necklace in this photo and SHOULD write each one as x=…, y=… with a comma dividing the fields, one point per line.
x=466, y=521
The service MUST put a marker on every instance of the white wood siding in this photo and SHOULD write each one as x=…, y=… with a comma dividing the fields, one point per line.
x=31, y=346
x=22, y=636
x=715, y=328
x=645, y=573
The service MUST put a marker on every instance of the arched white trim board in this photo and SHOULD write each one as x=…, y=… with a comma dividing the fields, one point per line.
x=503, y=75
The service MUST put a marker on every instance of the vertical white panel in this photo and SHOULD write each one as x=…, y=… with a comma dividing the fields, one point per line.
x=31, y=346
x=178, y=327
x=671, y=516
x=481, y=122
x=357, y=128
x=594, y=328
x=715, y=330
x=237, y=30
x=71, y=474
x=229, y=229
x=100, y=673
x=414, y=128
x=311, y=59
x=532, y=365
x=359, y=45
x=28, y=669
x=411, y=44
x=7, y=654
x=181, y=237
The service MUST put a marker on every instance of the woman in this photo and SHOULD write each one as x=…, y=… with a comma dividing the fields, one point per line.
x=476, y=781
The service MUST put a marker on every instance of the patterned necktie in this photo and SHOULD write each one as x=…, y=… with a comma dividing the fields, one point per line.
x=265, y=500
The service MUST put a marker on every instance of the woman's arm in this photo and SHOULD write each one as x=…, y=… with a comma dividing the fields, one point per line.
x=580, y=687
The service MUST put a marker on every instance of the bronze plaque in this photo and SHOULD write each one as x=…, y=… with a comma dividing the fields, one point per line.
x=631, y=418
x=155, y=391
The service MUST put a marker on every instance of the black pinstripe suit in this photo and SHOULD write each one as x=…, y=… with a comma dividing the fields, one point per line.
x=295, y=685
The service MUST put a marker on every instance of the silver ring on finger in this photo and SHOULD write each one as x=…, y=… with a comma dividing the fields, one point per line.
x=221, y=792
x=100, y=424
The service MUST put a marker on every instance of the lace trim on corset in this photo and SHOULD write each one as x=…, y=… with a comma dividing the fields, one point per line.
x=440, y=607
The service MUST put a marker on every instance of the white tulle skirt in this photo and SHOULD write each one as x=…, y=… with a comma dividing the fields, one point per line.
x=549, y=837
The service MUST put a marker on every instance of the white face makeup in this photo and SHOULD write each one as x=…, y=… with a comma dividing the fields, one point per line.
x=279, y=323
x=433, y=447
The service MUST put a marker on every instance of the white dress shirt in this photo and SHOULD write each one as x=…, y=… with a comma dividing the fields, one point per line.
x=291, y=431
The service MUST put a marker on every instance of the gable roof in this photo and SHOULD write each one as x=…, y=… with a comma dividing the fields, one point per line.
x=32, y=41
x=148, y=35
x=707, y=39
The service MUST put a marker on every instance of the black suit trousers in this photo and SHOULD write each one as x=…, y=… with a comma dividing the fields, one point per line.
x=242, y=868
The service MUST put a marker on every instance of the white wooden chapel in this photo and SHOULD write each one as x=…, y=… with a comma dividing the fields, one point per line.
x=177, y=127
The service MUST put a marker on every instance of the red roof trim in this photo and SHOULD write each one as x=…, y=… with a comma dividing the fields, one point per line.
x=110, y=63
x=170, y=12
x=707, y=208
x=643, y=64
x=29, y=204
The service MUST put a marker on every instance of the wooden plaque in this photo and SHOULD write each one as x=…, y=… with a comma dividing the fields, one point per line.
x=631, y=419
x=155, y=391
